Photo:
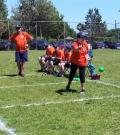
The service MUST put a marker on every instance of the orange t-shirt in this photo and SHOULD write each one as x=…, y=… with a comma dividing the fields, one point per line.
x=60, y=54
x=20, y=40
x=79, y=57
x=67, y=56
x=50, y=51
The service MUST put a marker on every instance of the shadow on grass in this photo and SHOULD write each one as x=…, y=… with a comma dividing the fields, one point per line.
x=62, y=91
x=10, y=75
x=39, y=70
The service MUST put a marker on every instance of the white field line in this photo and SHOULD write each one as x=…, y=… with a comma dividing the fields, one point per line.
x=104, y=83
x=39, y=74
x=43, y=84
x=2, y=77
x=61, y=101
x=96, y=81
x=7, y=130
x=30, y=85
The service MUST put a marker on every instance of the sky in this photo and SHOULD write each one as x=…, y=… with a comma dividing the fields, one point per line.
x=76, y=10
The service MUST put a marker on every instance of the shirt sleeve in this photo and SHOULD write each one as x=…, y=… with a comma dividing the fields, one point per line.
x=28, y=36
x=12, y=37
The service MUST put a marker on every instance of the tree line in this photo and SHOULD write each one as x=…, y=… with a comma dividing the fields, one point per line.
x=53, y=25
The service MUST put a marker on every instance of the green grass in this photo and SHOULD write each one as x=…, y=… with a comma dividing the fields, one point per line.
x=89, y=117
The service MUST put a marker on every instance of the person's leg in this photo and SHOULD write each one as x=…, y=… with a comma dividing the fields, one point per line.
x=42, y=62
x=18, y=61
x=51, y=66
x=19, y=68
x=73, y=69
x=82, y=77
x=22, y=67
x=24, y=58
x=61, y=69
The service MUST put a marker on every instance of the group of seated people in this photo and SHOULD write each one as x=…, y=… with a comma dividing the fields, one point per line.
x=55, y=60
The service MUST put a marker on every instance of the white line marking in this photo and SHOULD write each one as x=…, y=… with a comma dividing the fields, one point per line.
x=30, y=85
x=6, y=129
x=60, y=102
x=2, y=77
x=105, y=83
x=16, y=76
x=43, y=84
x=96, y=81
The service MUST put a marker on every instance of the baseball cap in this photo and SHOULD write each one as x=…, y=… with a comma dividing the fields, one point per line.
x=18, y=26
x=79, y=35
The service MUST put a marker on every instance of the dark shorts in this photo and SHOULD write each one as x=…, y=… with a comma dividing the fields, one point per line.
x=21, y=56
x=56, y=61
x=67, y=64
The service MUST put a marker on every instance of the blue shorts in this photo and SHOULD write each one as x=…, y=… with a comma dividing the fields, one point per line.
x=21, y=56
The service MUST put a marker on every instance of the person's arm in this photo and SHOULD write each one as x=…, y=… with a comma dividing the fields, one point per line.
x=76, y=47
x=28, y=36
x=12, y=38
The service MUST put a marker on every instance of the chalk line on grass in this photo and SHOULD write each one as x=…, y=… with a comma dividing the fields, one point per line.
x=105, y=83
x=7, y=130
x=43, y=84
x=61, y=101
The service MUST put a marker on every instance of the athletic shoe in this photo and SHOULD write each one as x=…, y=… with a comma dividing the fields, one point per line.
x=82, y=92
x=21, y=74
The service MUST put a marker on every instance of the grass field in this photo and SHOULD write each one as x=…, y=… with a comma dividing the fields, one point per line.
x=38, y=104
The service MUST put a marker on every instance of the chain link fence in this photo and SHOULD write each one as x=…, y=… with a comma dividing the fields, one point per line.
x=59, y=30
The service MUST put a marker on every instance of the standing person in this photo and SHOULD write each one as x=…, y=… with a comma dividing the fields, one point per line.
x=20, y=39
x=78, y=60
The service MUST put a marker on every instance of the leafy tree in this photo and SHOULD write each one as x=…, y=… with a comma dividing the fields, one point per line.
x=3, y=17
x=36, y=11
x=3, y=10
x=93, y=23
x=81, y=27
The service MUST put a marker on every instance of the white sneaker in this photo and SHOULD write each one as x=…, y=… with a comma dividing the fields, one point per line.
x=82, y=92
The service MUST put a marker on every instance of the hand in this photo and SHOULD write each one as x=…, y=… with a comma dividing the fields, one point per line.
x=79, y=47
x=27, y=46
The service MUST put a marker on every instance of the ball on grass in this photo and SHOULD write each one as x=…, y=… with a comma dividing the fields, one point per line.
x=101, y=69
x=76, y=79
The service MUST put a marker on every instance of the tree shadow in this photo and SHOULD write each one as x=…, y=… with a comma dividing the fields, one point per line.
x=62, y=91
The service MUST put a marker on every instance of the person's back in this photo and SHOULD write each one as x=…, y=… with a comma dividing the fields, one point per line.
x=50, y=51
x=60, y=53
x=68, y=55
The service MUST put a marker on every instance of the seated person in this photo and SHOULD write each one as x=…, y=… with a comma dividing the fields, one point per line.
x=50, y=51
x=59, y=55
x=64, y=63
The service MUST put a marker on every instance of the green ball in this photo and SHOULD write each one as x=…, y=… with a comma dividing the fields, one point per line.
x=76, y=79
x=101, y=69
